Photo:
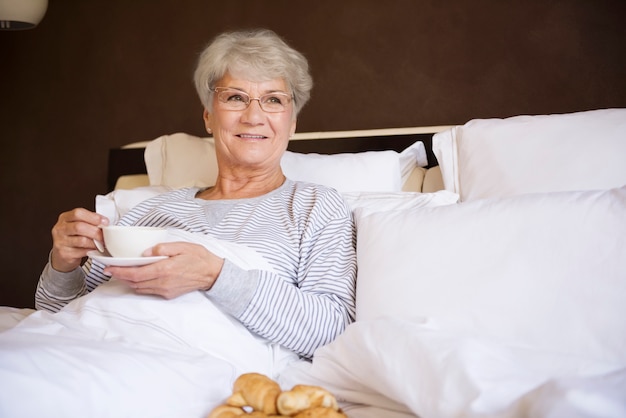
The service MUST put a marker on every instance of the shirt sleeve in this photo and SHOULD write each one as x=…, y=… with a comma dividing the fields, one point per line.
x=234, y=293
x=56, y=289
x=322, y=304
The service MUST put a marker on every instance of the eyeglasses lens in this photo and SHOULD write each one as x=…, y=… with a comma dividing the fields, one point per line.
x=230, y=99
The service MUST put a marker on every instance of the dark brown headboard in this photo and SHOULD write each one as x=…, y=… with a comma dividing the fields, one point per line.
x=126, y=161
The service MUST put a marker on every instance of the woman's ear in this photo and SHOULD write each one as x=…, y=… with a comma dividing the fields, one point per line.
x=292, y=131
x=208, y=121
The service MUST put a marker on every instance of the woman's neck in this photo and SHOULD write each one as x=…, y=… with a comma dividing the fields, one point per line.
x=242, y=188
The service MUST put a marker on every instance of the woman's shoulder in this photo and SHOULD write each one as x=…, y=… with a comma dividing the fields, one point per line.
x=163, y=196
x=178, y=194
x=305, y=187
x=317, y=194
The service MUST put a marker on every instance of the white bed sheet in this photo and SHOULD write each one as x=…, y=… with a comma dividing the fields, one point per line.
x=10, y=317
x=430, y=369
x=113, y=353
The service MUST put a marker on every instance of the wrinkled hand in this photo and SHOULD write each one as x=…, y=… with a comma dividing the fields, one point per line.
x=72, y=237
x=189, y=267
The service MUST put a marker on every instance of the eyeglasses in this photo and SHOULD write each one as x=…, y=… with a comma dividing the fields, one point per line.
x=233, y=99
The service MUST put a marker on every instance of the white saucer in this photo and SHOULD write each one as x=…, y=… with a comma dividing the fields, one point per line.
x=124, y=262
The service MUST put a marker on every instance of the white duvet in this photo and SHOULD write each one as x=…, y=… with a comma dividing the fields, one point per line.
x=114, y=353
x=70, y=365
x=429, y=369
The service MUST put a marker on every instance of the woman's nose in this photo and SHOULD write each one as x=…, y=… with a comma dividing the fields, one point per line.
x=253, y=113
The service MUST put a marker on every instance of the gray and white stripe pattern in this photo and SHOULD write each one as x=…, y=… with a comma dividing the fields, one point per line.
x=306, y=233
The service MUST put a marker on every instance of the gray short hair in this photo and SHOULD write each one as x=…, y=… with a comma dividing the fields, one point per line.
x=258, y=55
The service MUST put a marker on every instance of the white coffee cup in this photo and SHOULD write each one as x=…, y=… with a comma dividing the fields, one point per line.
x=131, y=241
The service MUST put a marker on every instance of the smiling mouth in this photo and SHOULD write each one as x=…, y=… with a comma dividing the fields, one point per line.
x=251, y=136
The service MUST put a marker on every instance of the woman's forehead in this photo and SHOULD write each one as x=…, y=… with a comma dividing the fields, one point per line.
x=246, y=81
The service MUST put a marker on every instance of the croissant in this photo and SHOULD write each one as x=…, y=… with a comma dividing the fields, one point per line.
x=257, y=396
x=256, y=391
x=321, y=412
x=226, y=411
x=302, y=397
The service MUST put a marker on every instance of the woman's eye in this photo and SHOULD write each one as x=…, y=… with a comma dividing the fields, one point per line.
x=273, y=100
x=236, y=98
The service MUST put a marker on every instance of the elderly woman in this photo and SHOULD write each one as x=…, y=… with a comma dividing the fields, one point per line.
x=252, y=86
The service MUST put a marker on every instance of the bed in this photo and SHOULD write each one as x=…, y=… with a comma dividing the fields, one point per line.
x=491, y=283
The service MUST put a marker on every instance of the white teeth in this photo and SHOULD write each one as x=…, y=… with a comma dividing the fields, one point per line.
x=252, y=136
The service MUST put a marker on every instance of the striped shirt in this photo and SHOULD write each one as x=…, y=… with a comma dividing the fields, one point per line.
x=306, y=233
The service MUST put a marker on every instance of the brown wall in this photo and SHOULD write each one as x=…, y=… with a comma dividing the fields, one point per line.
x=97, y=74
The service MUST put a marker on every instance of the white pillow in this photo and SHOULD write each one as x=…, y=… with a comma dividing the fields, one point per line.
x=526, y=154
x=412, y=157
x=372, y=171
x=546, y=270
x=368, y=202
x=182, y=160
